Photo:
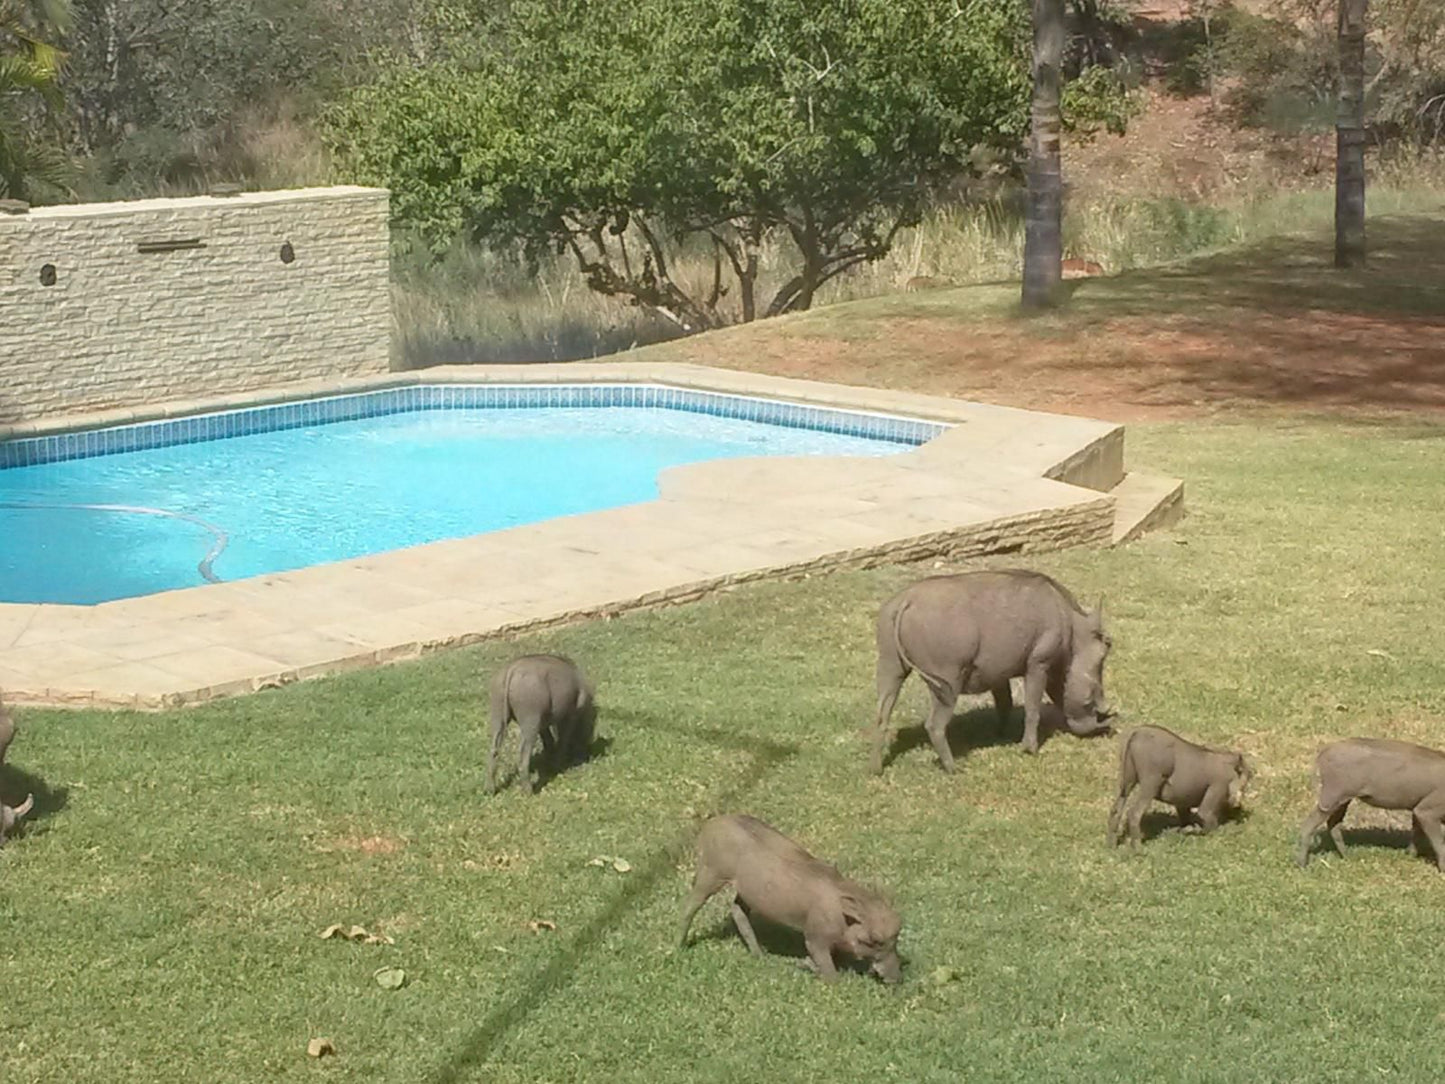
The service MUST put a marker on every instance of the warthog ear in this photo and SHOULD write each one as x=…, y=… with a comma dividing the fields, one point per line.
x=852, y=911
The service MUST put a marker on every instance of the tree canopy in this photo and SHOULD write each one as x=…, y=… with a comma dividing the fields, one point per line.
x=610, y=128
x=30, y=65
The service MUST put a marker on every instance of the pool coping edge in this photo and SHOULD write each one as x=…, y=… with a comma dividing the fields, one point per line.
x=988, y=448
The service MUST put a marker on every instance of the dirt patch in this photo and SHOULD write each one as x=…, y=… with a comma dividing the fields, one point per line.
x=1274, y=327
x=1183, y=147
x=1134, y=368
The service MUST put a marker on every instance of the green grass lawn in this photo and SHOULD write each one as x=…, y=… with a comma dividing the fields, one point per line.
x=159, y=919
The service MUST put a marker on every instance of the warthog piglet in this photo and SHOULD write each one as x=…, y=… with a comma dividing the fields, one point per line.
x=1158, y=765
x=10, y=814
x=7, y=730
x=547, y=695
x=1383, y=773
x=775, y=879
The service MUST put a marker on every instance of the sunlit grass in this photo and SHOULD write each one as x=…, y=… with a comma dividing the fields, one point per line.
x=159, y=917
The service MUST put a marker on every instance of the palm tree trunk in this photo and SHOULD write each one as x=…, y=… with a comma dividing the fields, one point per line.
x=1350, y=137
x=1043, y=224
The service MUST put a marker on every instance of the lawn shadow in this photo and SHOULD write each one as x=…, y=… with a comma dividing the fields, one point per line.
x=16, y=783
x=1397, y=839
x=977, y=728
x=1157, y=821
x=981, y=728
x=1286, y=275
x=1378, y=836
x=775, y=940
x=779, y=941
x=548, y=771
x=647, y=877
x=1272, y=322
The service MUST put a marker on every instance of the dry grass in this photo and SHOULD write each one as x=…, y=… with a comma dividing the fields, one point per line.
x=280, y=149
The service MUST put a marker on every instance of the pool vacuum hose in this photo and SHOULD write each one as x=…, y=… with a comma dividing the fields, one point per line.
x=204, y=568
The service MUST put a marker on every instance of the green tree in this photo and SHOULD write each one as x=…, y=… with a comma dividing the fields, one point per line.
x=1043, y=223
x=30, y=63
x=619, y=130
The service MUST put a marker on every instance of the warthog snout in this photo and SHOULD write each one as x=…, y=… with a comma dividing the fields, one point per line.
x=888, y=968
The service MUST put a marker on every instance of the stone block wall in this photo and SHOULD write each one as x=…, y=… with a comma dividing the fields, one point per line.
x=110, y=305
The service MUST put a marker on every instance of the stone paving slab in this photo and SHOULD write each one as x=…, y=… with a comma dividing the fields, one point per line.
x=999, y=480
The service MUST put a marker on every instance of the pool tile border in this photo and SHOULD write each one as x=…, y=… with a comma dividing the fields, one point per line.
x=220, y=425
x=989, y=480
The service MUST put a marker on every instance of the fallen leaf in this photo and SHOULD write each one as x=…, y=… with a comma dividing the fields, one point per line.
x=537, y=925
x=389, y=978
x=621, y=865
x=319, y=1048
x=942, y=976
x=600, y=861
x=358, y=934
x=1380, y=653
x=501, y=861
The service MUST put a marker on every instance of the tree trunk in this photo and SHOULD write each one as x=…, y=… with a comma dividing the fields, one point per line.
x=1350, y=137
x=747, y=273
x=796, y=295
x=1043, y=224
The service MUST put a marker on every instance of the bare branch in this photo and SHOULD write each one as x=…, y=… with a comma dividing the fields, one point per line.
x=819, y=74
x=626, y=259
x=734, y=254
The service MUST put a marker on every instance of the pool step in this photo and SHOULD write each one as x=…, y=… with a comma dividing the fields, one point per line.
x=1145, y=502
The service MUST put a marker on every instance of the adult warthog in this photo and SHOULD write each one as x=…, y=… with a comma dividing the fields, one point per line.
x=973, y=632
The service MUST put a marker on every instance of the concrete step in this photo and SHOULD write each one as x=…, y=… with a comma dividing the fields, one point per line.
x=1145, y=502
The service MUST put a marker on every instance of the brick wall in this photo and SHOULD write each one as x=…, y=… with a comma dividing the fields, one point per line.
x=88, y=321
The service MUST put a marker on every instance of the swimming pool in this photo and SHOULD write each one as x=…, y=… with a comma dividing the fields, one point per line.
x=108, y=514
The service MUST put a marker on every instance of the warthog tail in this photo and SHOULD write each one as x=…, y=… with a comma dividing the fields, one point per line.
x=1127, y=778
x=936, y=685
x=501, y=701
x=1127, y=774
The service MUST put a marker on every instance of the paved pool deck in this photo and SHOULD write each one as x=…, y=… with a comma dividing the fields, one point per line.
x=1000, y=480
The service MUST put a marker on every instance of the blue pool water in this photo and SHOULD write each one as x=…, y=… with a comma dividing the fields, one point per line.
x=302, y=496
